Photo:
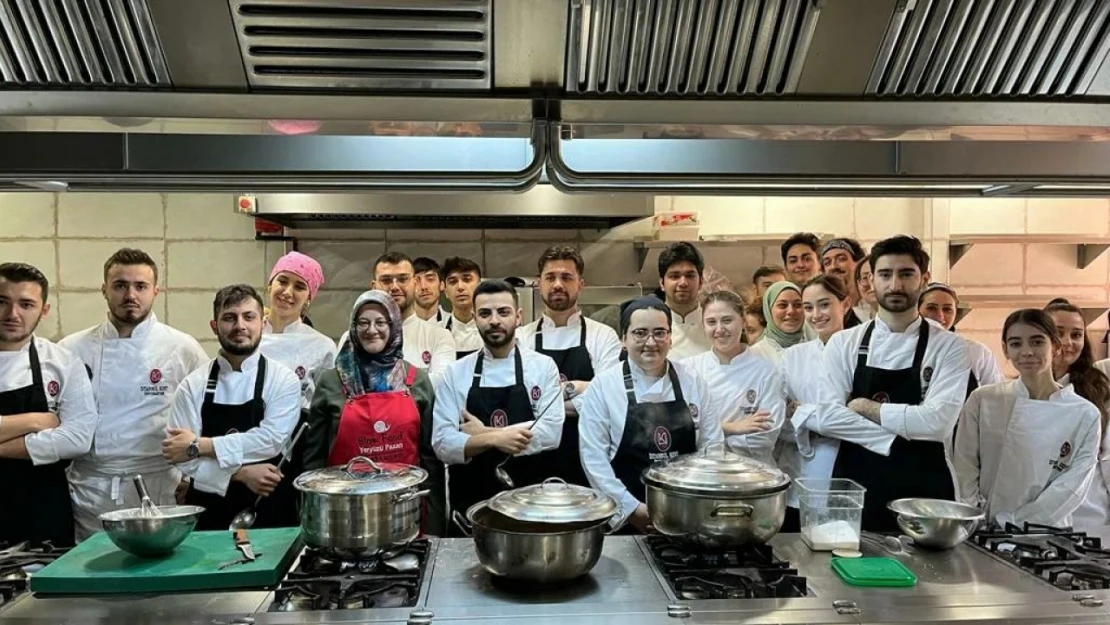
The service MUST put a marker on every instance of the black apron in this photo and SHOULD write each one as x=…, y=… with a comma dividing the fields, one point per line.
x=459, y=355
x=494, y=406
x=574, y=364
x=652, y=432
x=37, y=506
x=913, y=468
x=277, y=510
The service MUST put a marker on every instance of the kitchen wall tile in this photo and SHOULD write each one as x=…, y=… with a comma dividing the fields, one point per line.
x=615, y=264
x=206, y=216
x=1055, y=264
x=504, y=259
x=992, y=339
x=786, y=215
x=41, y=254
x=191, y=312
x=347, y=264
x=878, y=218
x=331, y=311
x=27, y=215
x=441, y=250
x=1068, y=215
x=86, y=309
x=1077, y=294
x=334, y=234
x=409, y=235
x=531, y=234
x=736, y=262
x=985, y=319
x=82, y=260
x=986, y=216
x=212, y=348
x=987, y=292
x=215, y=264
x=989, y=265
x=50, y=326
x=722, y=216
x=111, y=215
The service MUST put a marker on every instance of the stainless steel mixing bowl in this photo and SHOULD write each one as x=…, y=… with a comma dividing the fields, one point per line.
x=936, y=523
x=150, y=536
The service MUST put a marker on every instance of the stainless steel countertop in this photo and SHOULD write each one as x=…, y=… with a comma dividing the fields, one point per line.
x=962, y=584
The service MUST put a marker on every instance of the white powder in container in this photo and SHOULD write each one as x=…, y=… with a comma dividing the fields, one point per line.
x=831, y=535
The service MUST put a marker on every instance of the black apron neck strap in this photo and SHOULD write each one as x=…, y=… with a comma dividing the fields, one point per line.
x=539, y=335
x=673, y=375
x=864, y=346
x=36, y=364
x=214, y=379
x=518, y=363
x=260, y=378
x=631, y=393
x=581, y=335
x=922, y=343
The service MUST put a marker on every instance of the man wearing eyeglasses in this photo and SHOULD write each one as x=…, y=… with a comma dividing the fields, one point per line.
x=425, y=345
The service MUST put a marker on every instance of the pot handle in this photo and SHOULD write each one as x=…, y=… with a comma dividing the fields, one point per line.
x=735, y=510
x=553, y=480
x=356, y=459
x=461, y=521
x=410, y=495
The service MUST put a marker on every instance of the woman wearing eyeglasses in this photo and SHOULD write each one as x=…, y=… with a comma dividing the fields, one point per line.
x=646, y=410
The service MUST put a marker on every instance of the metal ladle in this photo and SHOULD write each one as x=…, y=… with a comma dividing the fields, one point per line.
x=499, y=470
x=247, y=516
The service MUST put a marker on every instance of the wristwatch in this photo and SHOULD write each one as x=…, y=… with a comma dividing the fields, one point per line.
x=193, y=450
x=568, y=389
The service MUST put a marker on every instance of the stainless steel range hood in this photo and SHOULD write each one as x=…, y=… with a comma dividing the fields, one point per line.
x=816, y=97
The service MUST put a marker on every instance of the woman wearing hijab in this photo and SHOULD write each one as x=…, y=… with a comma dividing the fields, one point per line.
x=782, y=307
x=374, y=404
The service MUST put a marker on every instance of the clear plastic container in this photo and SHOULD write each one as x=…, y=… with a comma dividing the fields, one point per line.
x=831, y=510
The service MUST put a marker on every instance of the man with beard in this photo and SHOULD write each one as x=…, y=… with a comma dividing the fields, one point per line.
x=135, y=363
x=487, y=401
x=681, y=267
x=839, y=258
x=426, y=345
x=461, y=276
x=429, y=286
x=231, y=419
x=579, y=346
x=49, y=416
x=799, y=256
x=892, y=391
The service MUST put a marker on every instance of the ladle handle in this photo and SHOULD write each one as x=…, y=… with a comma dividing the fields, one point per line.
x=288, y=451
x=141, y=487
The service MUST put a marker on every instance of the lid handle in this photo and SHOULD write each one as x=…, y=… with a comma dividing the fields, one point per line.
x=351, y=463
x=554, y=480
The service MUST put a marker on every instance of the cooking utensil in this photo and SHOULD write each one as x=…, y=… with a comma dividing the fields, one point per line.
x=145, y=504
x=243, y=543
x=247, y=516
x=150, y=537
x=716, y=498
x=499, y=470
x=243, y=560
x=351, y=514
x=546, y=532
x=896, y=545
x=936, y=523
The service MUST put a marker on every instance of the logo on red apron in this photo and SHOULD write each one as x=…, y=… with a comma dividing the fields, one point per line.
x=155, y=376
x=693, y=411
x=52, y=388
x=927, y=373
x=426, y=357
x=381, y=427
x=662, y=438
x=498, y=419
x=535, y=393
x=751, y=396
x=1065, y=449
x=882, y=398
x=300, y=372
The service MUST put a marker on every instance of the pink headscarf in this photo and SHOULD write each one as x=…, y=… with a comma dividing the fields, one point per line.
x=304, y=267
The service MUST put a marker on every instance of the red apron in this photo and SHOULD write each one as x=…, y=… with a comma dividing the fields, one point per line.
x=384, y=427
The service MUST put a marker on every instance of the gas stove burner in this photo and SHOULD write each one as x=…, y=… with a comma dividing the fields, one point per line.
x=19, y=561
x=388, y=579
x=1061, y=556
x=694, y=572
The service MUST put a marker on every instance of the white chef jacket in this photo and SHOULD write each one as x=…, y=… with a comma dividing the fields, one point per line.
x=751, y=384
x=1026, y=460
x=427, y=346
x=541, y=378
x=983, y=363
x=602, y=415
x=68, y=395
x=601, y=341
x=303, y=350
x=801, y=453
x=1094, y=511
x=768, y=350
x=945, y=365
x=688, y=335
x=281, y=392
x=464, y=333
x=440, y=318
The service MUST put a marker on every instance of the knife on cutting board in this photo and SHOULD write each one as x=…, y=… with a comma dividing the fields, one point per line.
x=243, y=543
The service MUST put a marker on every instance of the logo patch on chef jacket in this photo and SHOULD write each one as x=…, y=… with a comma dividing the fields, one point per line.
x=1065, y=449
x=662, y=437
x=155, y=376
x=498, y=419
x=52, y=388
x=535, y=393
x=750, y=396
x=881, y=397
x=927, y=374
x=426, y=357
x=381, y=427
x=300, y=372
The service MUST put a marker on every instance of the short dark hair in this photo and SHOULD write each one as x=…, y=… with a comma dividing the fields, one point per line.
x=807, y=239
x=647, y=302
x=391, y=258
x=681, y=252
x=492, y=287
x=767, y=270
x=130, y=256
x=22, y=272
x=561, y=252
x=901, y=245
x=458, y=264
x=423, y=264
x=232, y=295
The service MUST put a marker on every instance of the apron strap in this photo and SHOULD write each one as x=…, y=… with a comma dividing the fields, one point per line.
x=919, y=353
x=519, y=366
x=213, y=380
x=476, y=381
x=539, y=335
x=582, y=336
x=260, y=378
x=628, y=389
x=861, y=378
x=673, y=375
x=410, y=377
x=36, y=373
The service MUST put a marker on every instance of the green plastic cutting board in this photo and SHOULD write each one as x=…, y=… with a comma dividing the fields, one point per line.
x=873, y=572
x=97, y=566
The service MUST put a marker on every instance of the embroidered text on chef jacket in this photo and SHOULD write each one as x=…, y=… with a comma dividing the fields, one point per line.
x=801, y=453
x=68, y=395
x=427, y=346
x=281, y=393
x=983, y=363
x=751, y=384
x=541, y=378
x=944, y=372
x=601, y=341
x=601, y=420
x=1025, y=460
x=687, y=335
x=303, y=350
x=464, y=333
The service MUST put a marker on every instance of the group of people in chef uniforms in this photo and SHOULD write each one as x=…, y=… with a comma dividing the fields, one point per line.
x=839, y=363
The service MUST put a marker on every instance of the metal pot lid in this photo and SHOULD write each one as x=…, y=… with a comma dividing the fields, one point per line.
x=718, y=473
x=554, y=501
x=361, y=476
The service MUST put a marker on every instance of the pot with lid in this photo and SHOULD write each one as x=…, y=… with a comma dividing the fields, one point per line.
x=716, y=498
x=545, y=532
x=356, y=510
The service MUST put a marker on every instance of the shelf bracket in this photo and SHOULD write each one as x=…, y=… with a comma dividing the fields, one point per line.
x=1087, y=253
x=961, y=312
x=956, y=251
x=641, y=255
